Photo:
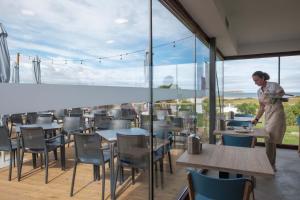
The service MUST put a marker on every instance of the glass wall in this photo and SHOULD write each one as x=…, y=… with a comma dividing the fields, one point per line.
x=240, y=91
x=289, y=80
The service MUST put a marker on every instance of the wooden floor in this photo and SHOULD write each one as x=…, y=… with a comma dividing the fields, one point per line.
x=32, y=186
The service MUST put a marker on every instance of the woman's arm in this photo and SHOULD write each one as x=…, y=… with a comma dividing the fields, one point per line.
x=260, y=112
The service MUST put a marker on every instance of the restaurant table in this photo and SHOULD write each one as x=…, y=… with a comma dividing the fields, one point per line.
x=239, y=160
x=256, y=132
x=111, y=137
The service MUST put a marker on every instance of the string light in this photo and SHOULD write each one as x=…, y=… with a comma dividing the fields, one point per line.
x=173, y=43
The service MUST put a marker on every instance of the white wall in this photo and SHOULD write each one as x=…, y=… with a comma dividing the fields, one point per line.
x=19, y=98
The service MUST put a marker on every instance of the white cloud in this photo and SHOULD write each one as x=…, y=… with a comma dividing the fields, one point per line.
x=27, y=12
x=121, y=21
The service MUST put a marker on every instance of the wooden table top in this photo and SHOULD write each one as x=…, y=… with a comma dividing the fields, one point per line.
x=256, y=132
x=247, y=161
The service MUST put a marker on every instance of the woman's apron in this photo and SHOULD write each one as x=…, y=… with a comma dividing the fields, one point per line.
x=274, y=118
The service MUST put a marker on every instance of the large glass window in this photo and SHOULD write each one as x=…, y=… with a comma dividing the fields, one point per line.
x=289, y=80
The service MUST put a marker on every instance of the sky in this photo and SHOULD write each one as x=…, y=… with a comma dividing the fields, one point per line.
x=98, y=42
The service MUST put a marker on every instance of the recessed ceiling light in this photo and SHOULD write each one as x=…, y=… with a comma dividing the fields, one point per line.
x=121, y=21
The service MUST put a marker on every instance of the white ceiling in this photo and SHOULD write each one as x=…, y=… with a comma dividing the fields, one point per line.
x=255, y=26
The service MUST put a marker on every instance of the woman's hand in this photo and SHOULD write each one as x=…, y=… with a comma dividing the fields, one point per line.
x=255, y=121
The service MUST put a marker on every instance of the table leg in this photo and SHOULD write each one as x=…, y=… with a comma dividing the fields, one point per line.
x=112, y=172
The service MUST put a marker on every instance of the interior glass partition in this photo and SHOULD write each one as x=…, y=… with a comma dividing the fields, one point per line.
x=202, y=90
x=173, y=94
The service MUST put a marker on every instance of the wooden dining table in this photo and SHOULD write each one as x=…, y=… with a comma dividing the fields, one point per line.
x=239, y=160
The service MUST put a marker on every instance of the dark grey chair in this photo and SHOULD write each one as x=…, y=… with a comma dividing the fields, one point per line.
x=59, y=115
x=8, y=145
x=44, y=119
x=15, y=119
x=133, y=152
x=101, y=122
x=163, y=134
x=76, y=112
x=31, y=117
x=71, y=125
x=119, y=124
x=88, y=151
x=116, y=114
x=33, y=141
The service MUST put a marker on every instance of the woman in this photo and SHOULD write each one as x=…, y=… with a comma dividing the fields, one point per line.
x=269, y=97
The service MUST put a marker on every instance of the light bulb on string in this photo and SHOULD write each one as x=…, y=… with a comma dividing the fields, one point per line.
x=174, y=44
x=81, y=61
x=66, y=62
x=99, y=60
x=121, y=58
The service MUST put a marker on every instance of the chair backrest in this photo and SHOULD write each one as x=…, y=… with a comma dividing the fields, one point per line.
x=5, y=143
x=59, y=114
x=128, y=114
x=116, y=113
x=177, y=122
x=184, y=114
x=31, y=117
x=101, y=122
x=238, y=123
x=44, y=119
x=205, y=187
x=71, y=124
x=119, y=124
x=161, y=114
x=243, y=115
x=16, y=118
x=161, y=129
x=33, y=138
x=238, y=141
x=76, y=112
x=133, y=149
x=88, y=149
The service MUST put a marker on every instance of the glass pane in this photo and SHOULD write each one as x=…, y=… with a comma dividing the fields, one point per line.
x=174, y=91
x=79, y=42
x=202, y=90
x=240, y=92
x=289, y=80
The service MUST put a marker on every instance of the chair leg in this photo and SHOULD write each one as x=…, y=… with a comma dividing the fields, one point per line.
x=41, y=159
x=73, y=179
x=63, y=157
x=132, y=175
x=34, y=160
x=10, y=165
x=103, y=181
x=170, y=162
x=21, y=165
x=55, y=154
x=155, y=174
x=46, y=166
x=161, y=162
x=14, y=156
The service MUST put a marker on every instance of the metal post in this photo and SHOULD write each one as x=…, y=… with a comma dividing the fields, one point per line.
x=151, y=186
x=195, y=85
x=279, y=63
x=212, y=89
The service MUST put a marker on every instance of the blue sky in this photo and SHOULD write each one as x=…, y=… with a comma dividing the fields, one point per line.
x=69, y=37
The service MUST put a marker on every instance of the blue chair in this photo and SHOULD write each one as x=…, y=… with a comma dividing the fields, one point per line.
x=243, y=115
x=202, y=187
x=238, y=141
x=238, y=123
